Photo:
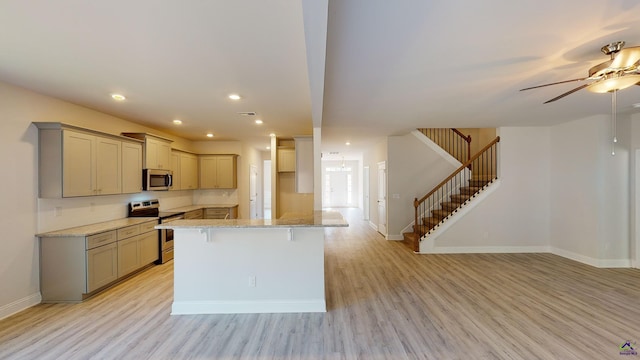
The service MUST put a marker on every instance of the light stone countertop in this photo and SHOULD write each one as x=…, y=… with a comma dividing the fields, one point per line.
x=97, y=228
x=317, y=219
x=203, y=206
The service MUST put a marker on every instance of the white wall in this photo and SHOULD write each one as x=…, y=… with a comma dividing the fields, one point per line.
x=515, y=217
x=589, y=192
x=371, y=157
x=413, y=170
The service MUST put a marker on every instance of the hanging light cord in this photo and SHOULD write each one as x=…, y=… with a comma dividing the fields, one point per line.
x=614, y=94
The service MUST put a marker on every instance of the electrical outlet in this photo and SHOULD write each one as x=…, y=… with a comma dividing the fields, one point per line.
x=396, y=196
x=252, y=281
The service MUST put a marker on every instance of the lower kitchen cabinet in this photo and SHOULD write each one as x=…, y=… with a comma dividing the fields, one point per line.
x=102, y=266
x=73, y=268
x=221, y=213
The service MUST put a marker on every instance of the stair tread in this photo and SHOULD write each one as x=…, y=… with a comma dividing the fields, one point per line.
x=450, y=205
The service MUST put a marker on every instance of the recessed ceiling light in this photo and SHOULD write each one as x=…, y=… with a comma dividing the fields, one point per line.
x=636, y=105
x=258, y=121
x=177, y=122
x=347, y=143
x=234, y=96
x=210, y=135
x=118, y=97
x=272, y=134
x=268, y=147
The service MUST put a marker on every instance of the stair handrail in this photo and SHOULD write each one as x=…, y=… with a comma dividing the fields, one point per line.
x=467, y=164
x=445, y=142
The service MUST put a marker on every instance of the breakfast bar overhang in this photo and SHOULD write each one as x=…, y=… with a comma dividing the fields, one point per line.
x=251, y=266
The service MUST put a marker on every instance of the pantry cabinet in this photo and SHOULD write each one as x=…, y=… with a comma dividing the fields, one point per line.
x=218, y=171
x=79, y=162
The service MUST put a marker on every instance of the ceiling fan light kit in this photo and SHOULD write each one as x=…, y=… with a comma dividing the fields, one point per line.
x=618, y=73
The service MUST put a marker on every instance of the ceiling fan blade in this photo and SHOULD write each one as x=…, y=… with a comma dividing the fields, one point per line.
x=626, y=58
x=567, y=93
x=555, y=83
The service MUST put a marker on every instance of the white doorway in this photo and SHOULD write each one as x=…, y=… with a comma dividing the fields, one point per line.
x=365, y=190
x=382, y=198
x=266, y=171
x=253, y=192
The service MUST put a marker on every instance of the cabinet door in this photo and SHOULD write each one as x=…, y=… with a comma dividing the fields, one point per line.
x=208, y=172
x=286, y=160
x=131, y=168
x=149, y=245
x=226, y=172
x=175, y=167
x=164, y=155
x=108, y=166
x=78, y=164
x=188, y=171
x=151, y=153
x=128, y=256
x=102, y=266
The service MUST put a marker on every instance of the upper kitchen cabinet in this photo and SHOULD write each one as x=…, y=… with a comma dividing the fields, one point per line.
x=79, y=162
x=218, y=171
x=304, y=164
x=188, y=171
x=157, y=150
x=131, y=167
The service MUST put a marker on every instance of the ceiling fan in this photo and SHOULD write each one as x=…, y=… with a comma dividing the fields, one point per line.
x=620, y=72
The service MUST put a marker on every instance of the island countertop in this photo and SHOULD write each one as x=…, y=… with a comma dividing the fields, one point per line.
x=316, y=219
x=203, y=206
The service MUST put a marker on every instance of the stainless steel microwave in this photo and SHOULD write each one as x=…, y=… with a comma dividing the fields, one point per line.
x=157, y=179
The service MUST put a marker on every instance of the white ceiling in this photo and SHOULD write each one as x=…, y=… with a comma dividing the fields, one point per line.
x=390, y=66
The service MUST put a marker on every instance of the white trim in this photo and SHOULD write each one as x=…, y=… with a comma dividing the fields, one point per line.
x=373, y=226
x=599, y=263
x=20, y=304
x=486, y=250
x=395, y=237
x=247, y=307
x=436, y=148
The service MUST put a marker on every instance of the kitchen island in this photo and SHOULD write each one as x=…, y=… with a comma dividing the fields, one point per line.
x=251, y=265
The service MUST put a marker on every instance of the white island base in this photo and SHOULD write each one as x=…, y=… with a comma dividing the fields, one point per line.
x=236, y=266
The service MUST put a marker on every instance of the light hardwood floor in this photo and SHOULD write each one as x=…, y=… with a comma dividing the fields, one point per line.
x=383, y=303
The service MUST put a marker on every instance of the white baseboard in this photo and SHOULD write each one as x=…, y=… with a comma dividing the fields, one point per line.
x=247, y=307
x=19, y=305
x=373, y=226
x=485, y=249
x=395, y=237
x=599, y=263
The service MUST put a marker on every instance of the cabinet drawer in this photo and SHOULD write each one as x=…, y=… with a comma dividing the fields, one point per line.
x=100, y=239
x=128, y=232
x=148, y=226
x=216, y=213
x=195, y=214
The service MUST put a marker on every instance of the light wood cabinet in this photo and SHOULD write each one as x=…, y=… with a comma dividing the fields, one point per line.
x=304, y=164
x=73, y=268
x=218, y=172
x=221, y=213
x=286, y=160
x=79, y=162
x=188, y=171
x=175, y=168
x=131, y=167
x=158, y=153
x=194, y=214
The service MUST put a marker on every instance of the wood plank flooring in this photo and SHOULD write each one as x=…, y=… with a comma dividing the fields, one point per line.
x=383, y=303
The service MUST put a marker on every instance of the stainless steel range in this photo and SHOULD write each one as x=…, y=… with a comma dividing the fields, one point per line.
x=151, y=208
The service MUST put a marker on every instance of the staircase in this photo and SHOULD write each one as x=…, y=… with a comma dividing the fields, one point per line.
x=454, y=192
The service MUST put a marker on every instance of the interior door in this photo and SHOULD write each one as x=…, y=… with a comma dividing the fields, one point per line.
x=382, y=198
x=253, y=192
